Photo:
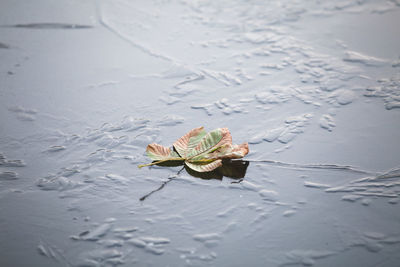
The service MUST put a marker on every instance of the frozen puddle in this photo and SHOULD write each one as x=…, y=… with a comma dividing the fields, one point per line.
x=313, y=87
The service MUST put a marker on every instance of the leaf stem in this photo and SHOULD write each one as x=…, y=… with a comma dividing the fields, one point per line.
x=202, y=153
x=160, y=161
x=201, y=161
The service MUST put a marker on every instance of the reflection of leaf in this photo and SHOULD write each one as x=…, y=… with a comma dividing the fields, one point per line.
x=200, y=151
x=234, y=169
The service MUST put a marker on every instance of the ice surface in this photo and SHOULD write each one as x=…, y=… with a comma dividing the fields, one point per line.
x=313, y=86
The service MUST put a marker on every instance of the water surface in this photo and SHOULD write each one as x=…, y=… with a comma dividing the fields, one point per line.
x=312, y=86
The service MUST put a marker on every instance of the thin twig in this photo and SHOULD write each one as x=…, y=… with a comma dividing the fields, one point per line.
x=162, y=185
x=237, y=182
x=160, y=161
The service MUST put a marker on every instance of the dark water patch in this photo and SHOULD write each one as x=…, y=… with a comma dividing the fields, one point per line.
x=52, y=26
x=4, y=46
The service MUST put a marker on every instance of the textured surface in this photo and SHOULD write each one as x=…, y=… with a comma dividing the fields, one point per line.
x=313, y=86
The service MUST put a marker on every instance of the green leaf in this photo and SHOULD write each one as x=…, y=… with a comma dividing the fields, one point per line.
x=211, y=141
x=201, y=151
x=189, y=141
x=216, y=153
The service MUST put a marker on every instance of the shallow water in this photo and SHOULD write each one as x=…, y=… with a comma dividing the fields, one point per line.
x=312, y=86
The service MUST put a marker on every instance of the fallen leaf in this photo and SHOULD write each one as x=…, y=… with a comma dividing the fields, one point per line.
x=159, y=152
x=199, y=150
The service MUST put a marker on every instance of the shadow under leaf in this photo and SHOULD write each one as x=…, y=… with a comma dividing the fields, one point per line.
x=234, y=169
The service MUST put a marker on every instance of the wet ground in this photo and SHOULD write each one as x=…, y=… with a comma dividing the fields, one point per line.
x=313, y=86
